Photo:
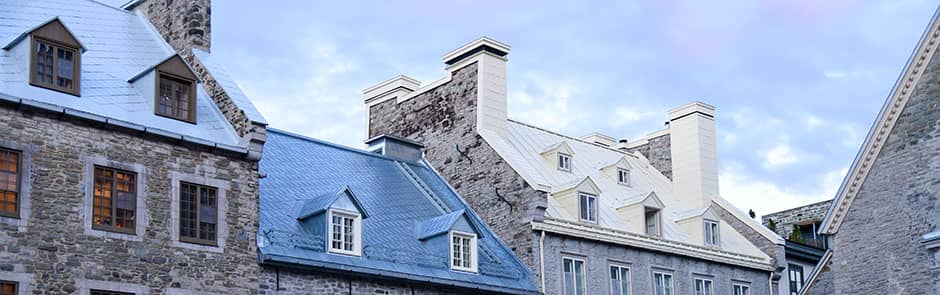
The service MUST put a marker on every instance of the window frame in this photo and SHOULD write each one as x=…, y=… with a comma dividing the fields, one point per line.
x=583, y=279
x=474, y=253
x=707, y=289
x=620, y=176
x=745, y=289
x=715, y=230
x=113, y=228
x=191, y=116
x=18, y=192
x=16, y=286
x=218, y=232
x=56, y=45
x=591, y=212
x=657, y=218
x=672, y=282
x=567, y=161
x=356, y=232
x=791, y=269
x=620, y=268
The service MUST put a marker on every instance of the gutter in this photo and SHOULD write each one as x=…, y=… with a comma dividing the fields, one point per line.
x=218, y=148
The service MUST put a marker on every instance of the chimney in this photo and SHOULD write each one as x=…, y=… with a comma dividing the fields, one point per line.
x=396, y=147
x=490, y=57
x=694, y=153
x=600, y=139
x=394, y=88
x=184, y=24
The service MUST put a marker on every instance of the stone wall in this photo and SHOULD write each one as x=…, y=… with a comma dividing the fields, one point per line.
x=776, y=252
x=657, y=150
x=807, y=214
x=598, y=256
x=444, y=119
x=184, y=24
x=284, y=281
x=63, y=257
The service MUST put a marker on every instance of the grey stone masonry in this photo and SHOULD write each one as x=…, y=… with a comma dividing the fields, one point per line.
x=658, y=151
x=784, y=220
x=284, y=281
x=62, y=257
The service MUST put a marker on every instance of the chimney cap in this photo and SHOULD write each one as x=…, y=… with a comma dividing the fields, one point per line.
x=400, y=82
x=480, y=44
x=387, y=137
x=623, y=140
x=702, y=108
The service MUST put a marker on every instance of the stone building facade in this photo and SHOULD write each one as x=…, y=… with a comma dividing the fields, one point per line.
x=807, y=218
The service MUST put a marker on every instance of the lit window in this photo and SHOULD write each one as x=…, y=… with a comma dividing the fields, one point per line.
x=652, y=221
x=198, y=214
x=176, y=98
x=344, y=232
x=619, y=280
x=463, y=254
x=796, y=278
x=7, y=288
x=9, y=183
x=711, y=233
x=703, y=287
x=623, y=176
x=564, y=162
x=114, y=200
x=742, y=289
x=588, y=207
x=574, y=276
x=55, y=66
x=662, y=283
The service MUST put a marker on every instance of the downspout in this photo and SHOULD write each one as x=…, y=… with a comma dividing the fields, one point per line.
x=542, y=262
x=770, y=283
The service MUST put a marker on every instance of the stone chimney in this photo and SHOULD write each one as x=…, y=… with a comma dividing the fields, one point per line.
x=694, y=153
x=490, y=56
x=396, y=147
x=184, y=24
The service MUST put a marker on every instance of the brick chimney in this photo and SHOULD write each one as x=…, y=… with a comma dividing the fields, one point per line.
x=694, y=153
x=184, y=24
x=490, y=56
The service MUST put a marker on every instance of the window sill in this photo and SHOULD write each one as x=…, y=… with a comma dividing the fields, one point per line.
x=94, y=232
x=464, y=270
x=344, y=253
x=197, y=246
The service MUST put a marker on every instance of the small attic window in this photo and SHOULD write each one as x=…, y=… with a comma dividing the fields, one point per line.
x=652, y=222
x=564, y=162
x=55, y=58
x=345, y=232
x=623, y=176
x=587, y=206
x=711, y=233
x=463, y=253
x=176, y=98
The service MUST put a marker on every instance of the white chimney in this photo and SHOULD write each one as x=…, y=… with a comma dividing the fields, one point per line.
x=490, y=56
x=694, y=153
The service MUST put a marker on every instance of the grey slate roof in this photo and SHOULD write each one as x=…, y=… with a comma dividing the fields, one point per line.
x=402, y=199
x=119, y=45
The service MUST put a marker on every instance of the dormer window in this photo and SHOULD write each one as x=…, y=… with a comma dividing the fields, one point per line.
x=623, y=176
x=652, y=222
x=588, y=207
x=345, y=232
x=176, y=98
x=564, y=162
x=711, y=233
x=463, y=253
x=55, y=58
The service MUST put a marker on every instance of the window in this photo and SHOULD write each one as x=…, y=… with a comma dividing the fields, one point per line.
x=619, y=280
x=55, y=66
x=176, y=98
x=711, y=233
x=9, y=183
x=662, y=283
x=115, y=200
x=652, y=221
x=7, y=288
x=573, y=282
x=796, y=278
x=103, y=292
x=703, y=287
x=198, y=214
x=588, y=207
x=623, y=176
x=564, y=162
x=344, y=232
x=463, y=254
x=741, y=289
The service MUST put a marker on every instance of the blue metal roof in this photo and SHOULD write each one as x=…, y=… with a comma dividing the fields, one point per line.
x=402, y=199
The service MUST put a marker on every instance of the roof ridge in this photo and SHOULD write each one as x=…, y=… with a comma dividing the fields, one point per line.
x=112, y=7
x=568, y=137
x=327, y=143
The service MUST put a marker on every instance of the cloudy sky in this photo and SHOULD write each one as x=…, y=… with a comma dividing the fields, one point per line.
x=796, y=83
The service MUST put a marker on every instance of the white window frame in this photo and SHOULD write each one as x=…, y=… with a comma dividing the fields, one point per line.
x=628, y=279
x=357, y=232
x=657, y=219
x=581, y=282
x=623, y=176
x=711, y=231
x=740, y=289
x=590, y=211
x=474, y=254
x=708, y=286
x=671, y=287
x=564, y=162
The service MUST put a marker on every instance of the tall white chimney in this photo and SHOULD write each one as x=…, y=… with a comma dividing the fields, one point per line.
x=490, y=56
x=694, y=153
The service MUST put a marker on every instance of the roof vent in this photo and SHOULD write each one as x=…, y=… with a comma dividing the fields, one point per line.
x=396, y=147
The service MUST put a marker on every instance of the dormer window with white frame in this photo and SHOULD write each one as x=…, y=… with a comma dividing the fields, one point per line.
x=463, y=251
x=587, y=206
x=561, y=155
x=623, y=176
x=337, y=216
x=652, y=222
x=345, y=232
x=712, y=233
x=564, y=162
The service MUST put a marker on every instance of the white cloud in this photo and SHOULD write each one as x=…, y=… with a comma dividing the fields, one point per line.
x=765, y=197
x=626, y=115
x=778, y=156
x=544, y=102
x=835, y=74
x=812, y=121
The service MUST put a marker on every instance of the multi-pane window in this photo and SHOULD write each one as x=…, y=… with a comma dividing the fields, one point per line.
x=463, y=253
x=623, y=176
x=711, y=233
x=796, y=278
x=741, y=289
x=703, y=287
x=564, y=162
x=662, y=283
x=588, y=207
x=573, y=276
x=9, y=183
x=343, y=232
x=105, y=292
x=7, y=288
x=114, y=200
x=55, y=66
x=198, y=213
x=652, y=221
x=619, y=280
x=175, y=98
